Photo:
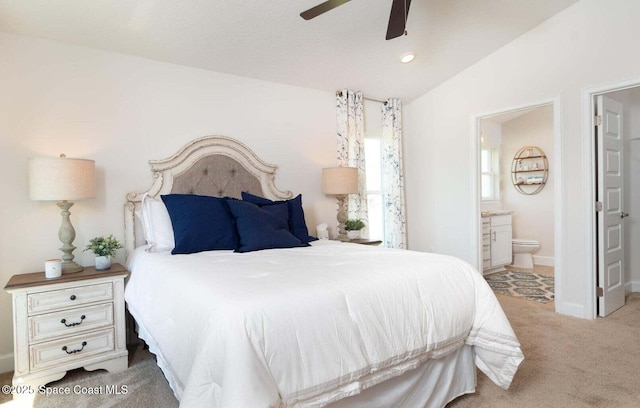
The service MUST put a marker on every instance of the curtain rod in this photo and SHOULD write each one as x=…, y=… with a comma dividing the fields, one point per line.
x=374, y=100
x=365, y=97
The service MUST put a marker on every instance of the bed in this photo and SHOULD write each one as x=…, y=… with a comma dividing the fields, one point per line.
x=315, y=324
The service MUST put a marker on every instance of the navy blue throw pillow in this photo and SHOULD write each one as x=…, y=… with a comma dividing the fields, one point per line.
x=297, y=224
x=261, y=228
x=200, y=223
x=280, y=212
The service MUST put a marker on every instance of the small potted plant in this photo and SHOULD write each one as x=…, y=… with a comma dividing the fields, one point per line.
x=103, y=248
x=353, y=228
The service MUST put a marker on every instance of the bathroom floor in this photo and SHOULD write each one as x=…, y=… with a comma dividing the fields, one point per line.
x=541, y=269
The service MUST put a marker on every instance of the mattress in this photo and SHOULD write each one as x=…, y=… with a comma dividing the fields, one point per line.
x=306, y=327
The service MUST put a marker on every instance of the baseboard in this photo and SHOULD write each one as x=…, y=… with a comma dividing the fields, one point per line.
x=6, y=363
x=543, y=260
x=572, y=309
x=489, y=271
x=633, y=286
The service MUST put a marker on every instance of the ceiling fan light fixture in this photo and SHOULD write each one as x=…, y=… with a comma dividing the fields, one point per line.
x=407, y=57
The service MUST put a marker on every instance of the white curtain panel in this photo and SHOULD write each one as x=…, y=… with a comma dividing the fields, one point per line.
x=395, y=229
x=350, y=117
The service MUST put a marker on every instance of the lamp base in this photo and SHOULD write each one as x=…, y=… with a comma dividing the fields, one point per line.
x=71, y=267
x=67, y=234
x=342, y=218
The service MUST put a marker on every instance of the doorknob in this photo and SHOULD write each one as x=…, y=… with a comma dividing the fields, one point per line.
x=623, y=214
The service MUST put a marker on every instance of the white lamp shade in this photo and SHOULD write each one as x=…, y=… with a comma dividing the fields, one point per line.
x=340, y=180
x=61, y=178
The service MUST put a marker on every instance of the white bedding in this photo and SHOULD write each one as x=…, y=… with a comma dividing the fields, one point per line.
x=309, y=326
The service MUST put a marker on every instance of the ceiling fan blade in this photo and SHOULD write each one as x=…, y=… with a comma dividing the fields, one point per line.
x=398, y=18
x=322, y=8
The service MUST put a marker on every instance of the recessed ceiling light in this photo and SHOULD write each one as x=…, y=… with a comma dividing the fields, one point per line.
x=407, y=57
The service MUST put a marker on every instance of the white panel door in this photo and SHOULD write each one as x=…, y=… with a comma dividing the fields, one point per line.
x=611, y=218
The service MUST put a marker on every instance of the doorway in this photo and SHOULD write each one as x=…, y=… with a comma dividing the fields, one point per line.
x=534, y=213
x=616, y=168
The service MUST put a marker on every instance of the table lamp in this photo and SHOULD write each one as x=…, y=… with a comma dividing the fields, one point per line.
x=339, y=182
x=63, y=179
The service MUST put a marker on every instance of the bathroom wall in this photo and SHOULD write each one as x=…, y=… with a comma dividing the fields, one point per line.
x=532, y=214
x=491, y=133
x=490, y=137
x=630, y=98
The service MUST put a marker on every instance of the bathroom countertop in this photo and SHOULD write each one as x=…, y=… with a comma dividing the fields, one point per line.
x=490, y=213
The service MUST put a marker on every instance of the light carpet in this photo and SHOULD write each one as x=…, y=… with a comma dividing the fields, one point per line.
x=527, y=285
x=568, y=362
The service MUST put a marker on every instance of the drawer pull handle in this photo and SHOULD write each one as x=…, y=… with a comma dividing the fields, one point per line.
x=64, y=321
x=72, y=297
x=84, y=343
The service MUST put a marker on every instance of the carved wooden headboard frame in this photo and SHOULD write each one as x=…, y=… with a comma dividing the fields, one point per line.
x=259, y=174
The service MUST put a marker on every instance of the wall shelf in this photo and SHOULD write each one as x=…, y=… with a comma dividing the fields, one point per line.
x=529, y=170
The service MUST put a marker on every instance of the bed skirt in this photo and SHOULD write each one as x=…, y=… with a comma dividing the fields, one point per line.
x=433, y=384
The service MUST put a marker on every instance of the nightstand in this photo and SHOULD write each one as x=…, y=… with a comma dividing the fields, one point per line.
x=365, y=242
x=59, y=324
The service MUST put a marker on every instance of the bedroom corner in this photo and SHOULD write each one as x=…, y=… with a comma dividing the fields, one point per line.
x=122, y=111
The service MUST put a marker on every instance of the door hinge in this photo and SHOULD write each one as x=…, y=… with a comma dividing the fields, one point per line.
x=597, y=120
x=599, y=291
x=598, y=206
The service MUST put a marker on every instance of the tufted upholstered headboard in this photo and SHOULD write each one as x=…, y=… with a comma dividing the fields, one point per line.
x=212, y=165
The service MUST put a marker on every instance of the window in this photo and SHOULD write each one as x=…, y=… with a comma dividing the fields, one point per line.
x=490, y=171
x=373, y=160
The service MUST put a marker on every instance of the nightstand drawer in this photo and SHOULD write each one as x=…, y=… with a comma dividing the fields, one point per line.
x=61, y=352
x=69, y=322
x=58, y=299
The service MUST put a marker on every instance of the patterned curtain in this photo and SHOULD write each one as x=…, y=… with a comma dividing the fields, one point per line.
x=395, y=228
x=350, y=117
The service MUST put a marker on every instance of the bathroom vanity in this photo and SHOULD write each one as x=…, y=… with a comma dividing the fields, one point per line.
x=496, y=241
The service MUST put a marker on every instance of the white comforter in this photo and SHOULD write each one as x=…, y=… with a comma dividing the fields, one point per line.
x=308, y=326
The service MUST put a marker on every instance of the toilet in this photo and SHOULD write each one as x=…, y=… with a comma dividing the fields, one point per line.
x=523, y=250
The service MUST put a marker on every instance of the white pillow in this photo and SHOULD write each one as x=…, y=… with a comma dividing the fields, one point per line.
x=156, y=223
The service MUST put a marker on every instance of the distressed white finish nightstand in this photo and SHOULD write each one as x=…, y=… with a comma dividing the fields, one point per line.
x=59, y=324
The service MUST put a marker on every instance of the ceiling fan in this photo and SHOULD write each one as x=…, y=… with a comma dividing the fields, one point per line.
x=397, y=18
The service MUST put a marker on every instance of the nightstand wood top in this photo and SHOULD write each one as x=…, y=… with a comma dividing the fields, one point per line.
x=365, y=241
x=38, y=278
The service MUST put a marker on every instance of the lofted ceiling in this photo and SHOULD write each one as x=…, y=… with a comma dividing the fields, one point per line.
x=268, y=40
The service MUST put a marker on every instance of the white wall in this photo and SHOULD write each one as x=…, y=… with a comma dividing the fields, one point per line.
x=589, y=44
x=630, y=98
x=122, y=111
x=532, y=214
